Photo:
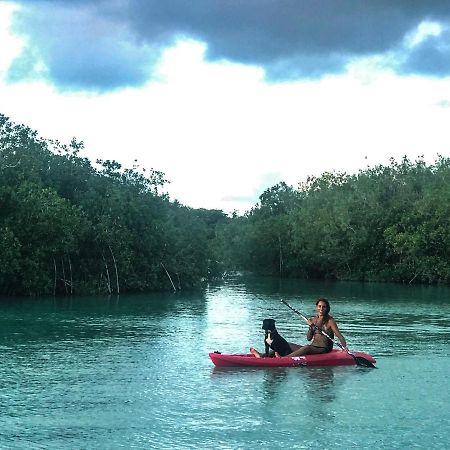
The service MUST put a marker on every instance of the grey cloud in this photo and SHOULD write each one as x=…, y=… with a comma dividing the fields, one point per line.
x=78, y=48
x=431, y=57
x=106, y=44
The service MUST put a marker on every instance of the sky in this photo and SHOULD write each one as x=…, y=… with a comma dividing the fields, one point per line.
x=230, y=97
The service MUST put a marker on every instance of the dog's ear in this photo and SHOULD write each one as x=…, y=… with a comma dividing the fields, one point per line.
x=268, y=324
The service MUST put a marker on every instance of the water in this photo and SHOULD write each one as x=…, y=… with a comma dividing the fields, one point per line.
x=133, y=372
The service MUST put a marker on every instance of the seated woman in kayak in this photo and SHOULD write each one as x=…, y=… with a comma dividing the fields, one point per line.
x=320, y=326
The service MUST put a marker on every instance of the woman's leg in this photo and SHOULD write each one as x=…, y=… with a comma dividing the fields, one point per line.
x=255, y=352
x=294, y=346
x=308, y=350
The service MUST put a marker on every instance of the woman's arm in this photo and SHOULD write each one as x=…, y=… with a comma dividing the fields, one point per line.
x=310, y=332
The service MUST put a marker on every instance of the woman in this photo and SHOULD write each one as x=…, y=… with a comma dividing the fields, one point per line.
x=318, y=325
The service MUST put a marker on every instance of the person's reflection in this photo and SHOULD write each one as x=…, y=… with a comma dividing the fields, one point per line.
x=273, y=378
x=319, y=383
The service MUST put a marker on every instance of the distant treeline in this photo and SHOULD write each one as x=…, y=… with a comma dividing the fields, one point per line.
x=67, y=227
x=383, y=224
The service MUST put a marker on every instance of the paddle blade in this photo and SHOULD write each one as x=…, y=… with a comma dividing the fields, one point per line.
x=363, y=362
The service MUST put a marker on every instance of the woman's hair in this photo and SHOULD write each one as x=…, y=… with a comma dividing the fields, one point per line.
x=327, y=303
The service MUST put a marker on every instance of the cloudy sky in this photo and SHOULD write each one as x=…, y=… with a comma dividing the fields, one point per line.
x=229, y=97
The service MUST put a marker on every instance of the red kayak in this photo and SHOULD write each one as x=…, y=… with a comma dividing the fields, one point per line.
x=334, y=358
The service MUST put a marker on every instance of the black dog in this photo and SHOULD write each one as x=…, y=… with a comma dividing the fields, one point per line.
x=278, y=344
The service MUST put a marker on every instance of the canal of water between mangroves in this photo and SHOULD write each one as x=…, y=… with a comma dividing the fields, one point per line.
x=134, y=371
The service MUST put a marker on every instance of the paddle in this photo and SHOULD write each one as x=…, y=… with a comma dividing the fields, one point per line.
x=359, y=360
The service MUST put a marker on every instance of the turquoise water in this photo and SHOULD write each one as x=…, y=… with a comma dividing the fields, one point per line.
x=134, y=372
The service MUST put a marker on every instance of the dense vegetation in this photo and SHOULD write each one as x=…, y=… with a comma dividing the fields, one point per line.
x=385, y=223
x=67, y=227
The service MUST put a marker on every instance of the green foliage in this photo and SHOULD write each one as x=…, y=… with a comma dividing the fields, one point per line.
x=259, y=241
x=9, y=259
x=384, y=223
x=68, y=227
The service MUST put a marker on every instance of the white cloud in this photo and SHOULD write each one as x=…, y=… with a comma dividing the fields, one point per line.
x=10, y=45
x=422, y=32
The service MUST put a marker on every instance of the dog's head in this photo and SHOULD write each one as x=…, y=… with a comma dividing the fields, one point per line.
x=268, y=324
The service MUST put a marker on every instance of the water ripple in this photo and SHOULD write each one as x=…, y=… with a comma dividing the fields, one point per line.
x=134, y=373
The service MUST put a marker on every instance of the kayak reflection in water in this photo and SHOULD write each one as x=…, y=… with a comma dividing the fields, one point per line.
x=320, y=326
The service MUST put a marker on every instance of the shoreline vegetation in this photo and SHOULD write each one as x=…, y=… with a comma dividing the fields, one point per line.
x=68, y=227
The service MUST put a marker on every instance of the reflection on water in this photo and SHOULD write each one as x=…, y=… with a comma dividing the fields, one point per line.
x=273, y=381
x=319, y=383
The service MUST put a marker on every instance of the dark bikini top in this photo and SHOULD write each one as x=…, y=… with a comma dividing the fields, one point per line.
x=324, y=328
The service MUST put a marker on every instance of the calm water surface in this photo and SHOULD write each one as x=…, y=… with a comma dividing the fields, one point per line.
x=134, y=372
